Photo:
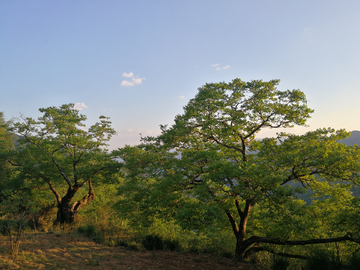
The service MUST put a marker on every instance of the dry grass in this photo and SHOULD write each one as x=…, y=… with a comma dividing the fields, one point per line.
x=72, y=251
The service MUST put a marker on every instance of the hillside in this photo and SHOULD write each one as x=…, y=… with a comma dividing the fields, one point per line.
x=71, y=251
x=353, y=139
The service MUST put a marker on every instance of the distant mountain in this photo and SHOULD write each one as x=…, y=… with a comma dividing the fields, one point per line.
x=353, y=139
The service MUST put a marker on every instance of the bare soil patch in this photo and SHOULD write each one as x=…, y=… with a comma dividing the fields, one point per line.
x=72, y=251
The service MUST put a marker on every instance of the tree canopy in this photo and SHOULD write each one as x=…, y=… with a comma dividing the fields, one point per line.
x=211, y=163
x=57, y=152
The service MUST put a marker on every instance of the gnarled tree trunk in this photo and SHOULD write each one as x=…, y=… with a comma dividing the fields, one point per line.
x=66, y=211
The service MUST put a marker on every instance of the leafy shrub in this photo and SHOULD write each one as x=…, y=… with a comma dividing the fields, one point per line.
x=128, y=244
x=133, y=246
x=14, y=225
x=172, y=245
x=155, y=242
x=324, y=260
x=122, y=243
x=91, y=232
x=279, y=263
x=354, y=262
x=174, y=237
x=98, y=237
x=87, y=230
x=3, y=227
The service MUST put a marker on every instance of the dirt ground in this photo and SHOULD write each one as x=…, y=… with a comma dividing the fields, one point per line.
x=72, y=251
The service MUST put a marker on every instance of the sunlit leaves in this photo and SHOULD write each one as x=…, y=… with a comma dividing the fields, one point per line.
x=58, y=152
x=211, y=159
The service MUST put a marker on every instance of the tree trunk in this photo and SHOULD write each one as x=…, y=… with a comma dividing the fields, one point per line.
x=66, y=211
x=64, y=214
x=240, y=230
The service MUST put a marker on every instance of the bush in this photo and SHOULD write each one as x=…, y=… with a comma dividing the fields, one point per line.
x=87, y=230
x=279, y=263
x=324, y=260
x=3, y=227
x=14, y=225
x=91, y=232
x=155, y=242
x=354, y=262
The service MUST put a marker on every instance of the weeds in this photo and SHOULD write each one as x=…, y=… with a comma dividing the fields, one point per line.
x=93, y=261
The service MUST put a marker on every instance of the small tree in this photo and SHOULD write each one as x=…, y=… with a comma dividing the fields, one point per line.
x=56, y=152
x=210, y=159
x=16, y=211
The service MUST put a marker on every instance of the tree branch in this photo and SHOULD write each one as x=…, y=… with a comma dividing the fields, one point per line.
x=254, y=250
x=226, y=146
x=68, y=181
x=56, y=193
x=13, y=164
x=257, y=239
x=238, y=206
x=234, y=225
x=78, y=205
x=94, y=172
x=258, y=127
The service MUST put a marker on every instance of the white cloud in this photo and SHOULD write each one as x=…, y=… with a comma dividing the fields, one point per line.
x=128, y=75
x=137, y=80
x=133, y=82
x=220, y=67
x=127, y=83
x=181, y=97
x=79, y=106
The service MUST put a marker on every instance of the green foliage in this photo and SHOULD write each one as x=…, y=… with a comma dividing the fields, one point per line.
x=155, y=242
x=6, y=144
x=57, y=152
x=208, y=168
x=203, y=183
x=279, y=263
x=354, y=262
x=16, y=211
x=3, y=227
x=173, y=237
x=92, y=232
x=100, y=211
x=324, y=260
x=6, y=138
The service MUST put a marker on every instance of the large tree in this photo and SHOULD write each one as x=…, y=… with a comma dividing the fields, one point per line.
x=57, y=152
x=210, y=158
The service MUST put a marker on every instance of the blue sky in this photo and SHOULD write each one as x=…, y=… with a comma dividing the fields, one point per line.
x=139, y=62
